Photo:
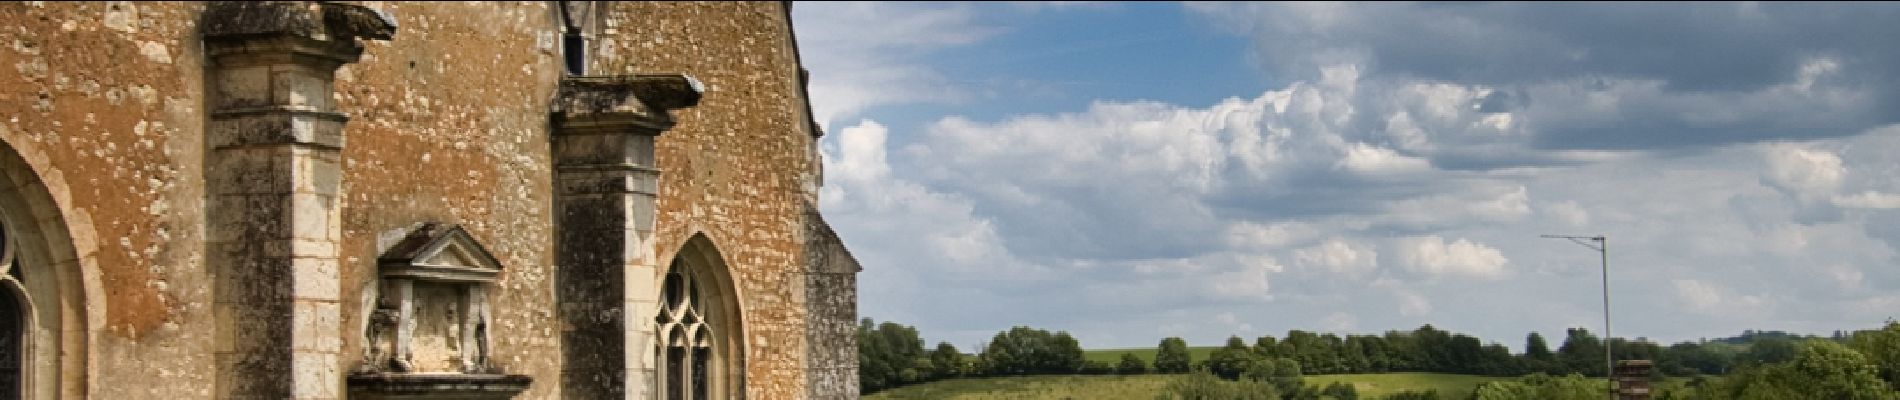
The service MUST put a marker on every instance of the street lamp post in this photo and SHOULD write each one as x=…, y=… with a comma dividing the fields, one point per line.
x=1602, y=246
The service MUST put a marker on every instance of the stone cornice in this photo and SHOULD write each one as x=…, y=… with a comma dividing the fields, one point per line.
x=324, y=30
x=320, y=20
x=622, y=104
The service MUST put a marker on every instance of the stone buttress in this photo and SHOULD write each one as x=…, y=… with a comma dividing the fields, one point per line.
x=273, y=179
x=606, y=188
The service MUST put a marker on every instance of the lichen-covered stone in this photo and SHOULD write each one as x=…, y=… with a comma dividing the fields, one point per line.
x=209, y=214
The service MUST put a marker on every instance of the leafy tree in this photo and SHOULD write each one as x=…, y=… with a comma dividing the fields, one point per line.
x=946, y=361
x=1462, y=354
x=1820, y=369
x=1131, y=365
x=1327, y=356
x=1540, y=386
x=1582, y=353
x=1771, y=349
x=1535, y=348
x=1431, y=349
x=1696, y=389
x=1005, y=357
x=1882, y=348
x=1231, y=360
x=1172, y=357
x=1402, y=352
x=1376, y=351
x=1353, y=356
x=1537, y=356
x=1065, y=354
x=1267, y=346
x=1496, y=360
x=1092, y=367
x=1282, y=373
x=1023, y=351
x=1202, y=385
x=1316, y=353
x=887, y=355
x=1711, y=358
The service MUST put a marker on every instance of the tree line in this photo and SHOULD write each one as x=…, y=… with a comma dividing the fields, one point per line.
x=892, y=354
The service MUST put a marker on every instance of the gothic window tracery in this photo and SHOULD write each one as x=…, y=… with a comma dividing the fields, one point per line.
x=686, y=347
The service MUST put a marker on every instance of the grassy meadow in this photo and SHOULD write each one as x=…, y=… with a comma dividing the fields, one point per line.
x=1373, y=386
x=1145, y=387
x=1104, y=387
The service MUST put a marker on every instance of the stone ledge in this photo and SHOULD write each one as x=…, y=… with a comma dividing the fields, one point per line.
x=622, y=104
x=316, y=20
x=437, y=386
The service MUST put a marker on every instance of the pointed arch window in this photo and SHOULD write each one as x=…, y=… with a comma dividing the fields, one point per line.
x=687, y=358
x=13, y=322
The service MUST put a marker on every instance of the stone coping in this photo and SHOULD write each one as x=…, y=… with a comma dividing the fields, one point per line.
x=387, y=385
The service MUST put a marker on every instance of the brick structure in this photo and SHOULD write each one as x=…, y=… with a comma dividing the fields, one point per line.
x=320, y=200
x=1632, y=379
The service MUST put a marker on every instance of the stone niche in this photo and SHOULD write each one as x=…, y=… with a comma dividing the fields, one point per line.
x=427, y=336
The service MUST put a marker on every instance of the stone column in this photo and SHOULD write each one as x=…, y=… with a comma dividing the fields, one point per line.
x=273, y=178
x=606, y=191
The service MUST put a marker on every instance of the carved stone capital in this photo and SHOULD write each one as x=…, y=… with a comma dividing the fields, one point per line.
x=622, y=104
x=240, y=33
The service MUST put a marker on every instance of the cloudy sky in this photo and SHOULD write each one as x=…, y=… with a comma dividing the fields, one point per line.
x=1131, y=171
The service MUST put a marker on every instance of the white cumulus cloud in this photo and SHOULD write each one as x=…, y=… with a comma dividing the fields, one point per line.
x=1432, y=256
x=1801, y=170
x=1339, y=257
x=866, y=54
x=1726, y=189
x=1508, y=206
x=1368, y=159
x=1869, y=199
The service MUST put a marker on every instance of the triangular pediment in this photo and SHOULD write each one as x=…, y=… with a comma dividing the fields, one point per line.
x=455, y=253
x=439, y=252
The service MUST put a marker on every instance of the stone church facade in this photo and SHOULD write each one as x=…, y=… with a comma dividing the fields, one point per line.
x=397, y=200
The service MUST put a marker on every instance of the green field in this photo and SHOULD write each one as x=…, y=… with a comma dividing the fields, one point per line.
x=1105, y=387
x=1373, y=386
x=1145, y=387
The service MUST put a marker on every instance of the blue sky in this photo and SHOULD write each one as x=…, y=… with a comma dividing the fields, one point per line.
x=1131, y=171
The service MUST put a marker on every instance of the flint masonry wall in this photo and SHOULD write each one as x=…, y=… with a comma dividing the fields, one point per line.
x=449, y=123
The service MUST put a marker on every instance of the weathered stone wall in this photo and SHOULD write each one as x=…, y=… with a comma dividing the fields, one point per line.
x=449, y=123
x=831, y=329
x=738, y=167
x=105, y=102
